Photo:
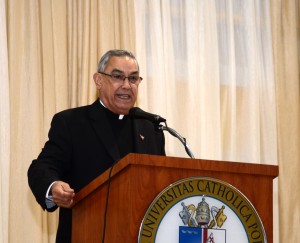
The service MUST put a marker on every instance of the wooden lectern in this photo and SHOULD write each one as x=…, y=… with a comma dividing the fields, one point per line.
x=137, y=179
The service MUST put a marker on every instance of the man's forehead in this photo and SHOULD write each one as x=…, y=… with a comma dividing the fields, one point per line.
x=114, y=59
x=119, y=63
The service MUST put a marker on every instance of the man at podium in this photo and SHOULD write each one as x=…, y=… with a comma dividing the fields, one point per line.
x=85, y=141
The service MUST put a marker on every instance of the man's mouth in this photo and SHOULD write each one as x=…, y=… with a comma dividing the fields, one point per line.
x=124, y=96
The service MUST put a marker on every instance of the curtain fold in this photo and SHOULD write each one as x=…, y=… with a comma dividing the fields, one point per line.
x=34, y=95
x=286, y=49
x=4, y=128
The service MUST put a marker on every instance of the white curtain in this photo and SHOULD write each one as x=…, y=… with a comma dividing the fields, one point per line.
x=208, y=69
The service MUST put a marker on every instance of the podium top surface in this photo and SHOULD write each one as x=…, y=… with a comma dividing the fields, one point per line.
x=178, y=163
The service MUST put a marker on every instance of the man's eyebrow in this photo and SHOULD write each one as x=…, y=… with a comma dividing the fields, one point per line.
x=117, y=71
x=121, y=72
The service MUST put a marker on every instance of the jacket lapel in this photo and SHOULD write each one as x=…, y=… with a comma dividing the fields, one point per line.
x=103, y=130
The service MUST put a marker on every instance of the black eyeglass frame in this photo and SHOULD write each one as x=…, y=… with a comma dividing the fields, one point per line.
x=122, y=77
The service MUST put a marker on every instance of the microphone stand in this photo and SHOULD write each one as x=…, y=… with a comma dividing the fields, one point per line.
x=177, y=135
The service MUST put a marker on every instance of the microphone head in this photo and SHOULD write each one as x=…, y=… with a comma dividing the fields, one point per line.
x=136, y=112
x=133, y=111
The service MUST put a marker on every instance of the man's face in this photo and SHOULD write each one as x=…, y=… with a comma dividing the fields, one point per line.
x=118, y=97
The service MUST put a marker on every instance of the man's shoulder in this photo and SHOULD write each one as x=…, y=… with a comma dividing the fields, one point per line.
x=73, y=110
x=76, y=112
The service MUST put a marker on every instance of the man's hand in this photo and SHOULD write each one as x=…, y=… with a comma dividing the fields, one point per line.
x=62, y=194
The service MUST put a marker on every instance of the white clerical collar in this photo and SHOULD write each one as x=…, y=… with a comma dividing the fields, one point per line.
x=121, y=116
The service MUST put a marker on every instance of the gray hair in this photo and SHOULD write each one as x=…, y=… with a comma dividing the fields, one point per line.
x=113, y=53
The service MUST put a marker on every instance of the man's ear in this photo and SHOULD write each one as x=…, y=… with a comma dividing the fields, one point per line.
x=98, y=80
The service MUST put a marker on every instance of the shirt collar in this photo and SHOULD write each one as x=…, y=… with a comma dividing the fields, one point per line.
x=121, y=116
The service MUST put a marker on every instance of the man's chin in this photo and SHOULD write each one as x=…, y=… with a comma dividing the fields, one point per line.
x=123, y=110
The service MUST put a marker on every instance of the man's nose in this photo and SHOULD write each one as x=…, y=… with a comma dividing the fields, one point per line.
x=126, y=83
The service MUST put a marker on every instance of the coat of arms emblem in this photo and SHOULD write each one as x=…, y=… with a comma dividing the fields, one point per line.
x=202, y=223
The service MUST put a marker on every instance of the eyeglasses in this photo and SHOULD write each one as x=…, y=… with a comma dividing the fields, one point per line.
x=120, y=78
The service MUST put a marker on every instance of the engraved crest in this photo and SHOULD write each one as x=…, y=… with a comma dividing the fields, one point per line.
x=203, y=216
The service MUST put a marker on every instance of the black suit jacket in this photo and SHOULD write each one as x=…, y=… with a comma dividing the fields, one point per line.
x=81, y=146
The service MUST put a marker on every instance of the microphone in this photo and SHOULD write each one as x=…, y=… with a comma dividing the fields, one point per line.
x=136, y=112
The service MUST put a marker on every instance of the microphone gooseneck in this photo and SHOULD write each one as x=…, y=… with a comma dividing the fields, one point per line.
x=181, y=139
